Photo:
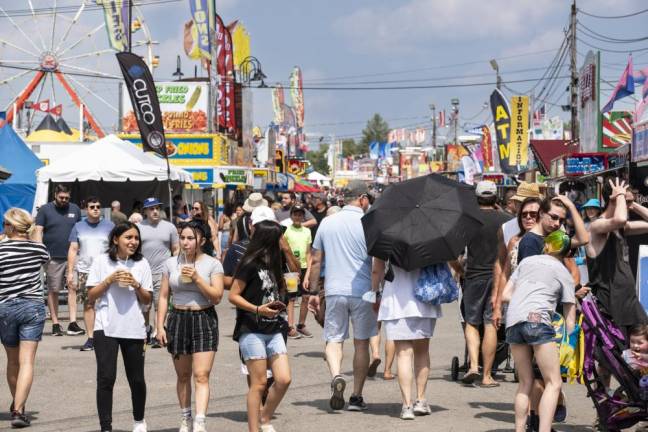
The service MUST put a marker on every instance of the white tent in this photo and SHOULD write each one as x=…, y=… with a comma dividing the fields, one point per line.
x=319, y=178
x=108, y=160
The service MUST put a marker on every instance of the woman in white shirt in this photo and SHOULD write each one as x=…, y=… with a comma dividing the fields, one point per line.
x=120, y=283
x=410, y=324
x=191, y=331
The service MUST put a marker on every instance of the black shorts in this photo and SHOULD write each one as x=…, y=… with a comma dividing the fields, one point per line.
x=476, y=299
x=190, y=332
x=300, y=288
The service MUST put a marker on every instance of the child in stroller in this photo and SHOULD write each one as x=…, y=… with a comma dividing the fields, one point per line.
x=605, y=347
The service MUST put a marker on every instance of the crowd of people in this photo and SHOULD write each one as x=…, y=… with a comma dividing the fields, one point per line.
x=270, y=254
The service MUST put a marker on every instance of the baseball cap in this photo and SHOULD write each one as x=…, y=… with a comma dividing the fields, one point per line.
x=261, y=214
x=486, y=188
x=592, y=203
x=151, y=202
x=297, y=208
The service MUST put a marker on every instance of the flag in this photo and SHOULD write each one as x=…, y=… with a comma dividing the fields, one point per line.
x=200, y=15
x=641, y=77
x=57, y=110
x=539, y=115
x=225, y=107
x=502, y=119
x=487, y=148
x=297, y=95
x=519, y=149
x=277, y=104
x=625, y=87
x=442, y=118
x=116, y=18
x=41, y=106
x=141, y=89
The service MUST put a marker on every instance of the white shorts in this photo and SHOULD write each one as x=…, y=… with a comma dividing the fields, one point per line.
x=336, y=320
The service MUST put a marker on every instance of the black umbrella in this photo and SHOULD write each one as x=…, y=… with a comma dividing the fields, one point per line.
x=423, y=221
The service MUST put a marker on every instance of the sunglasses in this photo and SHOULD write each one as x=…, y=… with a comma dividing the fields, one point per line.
x=529, y=214
x=556, y=218
x=94, y=207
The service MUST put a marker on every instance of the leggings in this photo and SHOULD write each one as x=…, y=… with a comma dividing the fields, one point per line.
x=106, y=349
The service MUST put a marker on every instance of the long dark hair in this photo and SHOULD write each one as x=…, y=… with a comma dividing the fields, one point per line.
x=527, y=201
x=116, y=232
x=198, y=229
x=264, y=251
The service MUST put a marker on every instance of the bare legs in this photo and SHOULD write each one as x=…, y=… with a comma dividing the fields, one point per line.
x=488, y=347
x=199, y=365
x=413, y=365
x=258, y=415
x=53, y=305
x=20, y=371
x=334, y=358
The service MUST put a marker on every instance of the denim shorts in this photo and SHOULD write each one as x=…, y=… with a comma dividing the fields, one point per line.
x=530, y=333
x=21, y=320
x=259, y=346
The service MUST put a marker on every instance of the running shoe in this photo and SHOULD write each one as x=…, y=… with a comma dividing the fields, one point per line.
x=356, y=403
x=293, y=334
x=19, y=419
x=199, y=426
x=140, y=426
x=407, y=413
x=301, y=328
x=185, y=424
x=337, y=393
x=74, y=329
x=421, y=408
x=88, y=345
x=57, y=330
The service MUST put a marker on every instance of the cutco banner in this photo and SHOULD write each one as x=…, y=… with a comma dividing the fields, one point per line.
x=143, y=96
x=519, y=154
x=116, y=16
x=502, y=121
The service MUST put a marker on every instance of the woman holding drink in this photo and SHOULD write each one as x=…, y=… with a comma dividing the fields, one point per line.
x=195, y=281
x=256, y=292
x=119, y=283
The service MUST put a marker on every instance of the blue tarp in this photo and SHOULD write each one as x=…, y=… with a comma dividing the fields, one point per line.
x=20, y=188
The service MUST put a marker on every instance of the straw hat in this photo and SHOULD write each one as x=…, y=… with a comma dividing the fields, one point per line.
x=527, y=190
x=254, y=200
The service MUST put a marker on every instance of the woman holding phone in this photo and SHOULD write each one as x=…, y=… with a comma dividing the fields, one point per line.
x=256, y=292
x=191, y=332
x=119, y=283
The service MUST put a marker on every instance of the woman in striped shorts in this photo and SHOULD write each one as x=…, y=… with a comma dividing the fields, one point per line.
x=193, y=282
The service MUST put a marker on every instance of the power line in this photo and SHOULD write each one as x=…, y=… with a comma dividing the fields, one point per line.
x=612, y=17
x=609, y=39
x=629, y=51
x=72, y=9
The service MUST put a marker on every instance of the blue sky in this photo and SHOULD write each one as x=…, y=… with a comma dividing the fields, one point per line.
x=391, y=43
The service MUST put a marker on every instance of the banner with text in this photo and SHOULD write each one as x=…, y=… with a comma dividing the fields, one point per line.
x=519, y=148
x=502, y=121
x=117, y=20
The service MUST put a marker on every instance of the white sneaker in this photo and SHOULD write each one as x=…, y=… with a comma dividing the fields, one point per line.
x=422, y=408
x=267, y=428
x=199, y=427
x=140, y=426
x=185, y=424
x=407, y=413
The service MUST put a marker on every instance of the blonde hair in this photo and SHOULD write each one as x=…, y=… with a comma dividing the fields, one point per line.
x=276, y=206
x=20, y=220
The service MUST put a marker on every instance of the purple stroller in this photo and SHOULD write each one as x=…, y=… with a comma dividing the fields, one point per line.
x=604, y=344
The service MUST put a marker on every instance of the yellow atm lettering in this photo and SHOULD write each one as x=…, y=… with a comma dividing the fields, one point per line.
x=503, y=130
x=199, y=176
x=193, y=149
x=504, y=151
x=501, y=113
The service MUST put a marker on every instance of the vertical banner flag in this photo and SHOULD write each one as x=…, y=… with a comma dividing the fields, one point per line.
x=230, y=97
x=502, y=120
x=43, y=106
x=225, y=108
x=116, y=17
x=442, y=118
x=519, y=149
x=200, y=14
x=297, y=94
x=278, y=103
x=144, y=99
x=625, y=87
x=487, y=148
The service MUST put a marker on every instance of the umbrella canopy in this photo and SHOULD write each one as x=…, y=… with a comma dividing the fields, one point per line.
x=423, y=221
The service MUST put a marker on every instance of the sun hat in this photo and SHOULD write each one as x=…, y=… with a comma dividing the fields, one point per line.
x=151, y=202
x=557, y=242
x=253, y=201
x=592, y=203
x=486, y=188
x=261, y=214
x=526, y=190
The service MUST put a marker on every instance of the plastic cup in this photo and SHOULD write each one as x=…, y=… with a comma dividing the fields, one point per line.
x=123, y=284
x=292, y=282
x=183, y=278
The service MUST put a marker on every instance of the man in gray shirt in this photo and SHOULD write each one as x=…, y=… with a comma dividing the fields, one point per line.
x=288, y=201
x=159, y=242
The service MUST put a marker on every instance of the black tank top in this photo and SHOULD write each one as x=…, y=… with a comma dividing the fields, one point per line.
x=613, y=283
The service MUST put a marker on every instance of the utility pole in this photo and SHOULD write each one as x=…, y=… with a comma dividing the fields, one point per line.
x=434, y=125
x=574, y=74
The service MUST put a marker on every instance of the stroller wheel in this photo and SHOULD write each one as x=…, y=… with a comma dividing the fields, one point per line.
x=454, y=368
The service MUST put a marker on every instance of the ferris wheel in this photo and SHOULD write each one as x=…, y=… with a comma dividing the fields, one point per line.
x=59, y=50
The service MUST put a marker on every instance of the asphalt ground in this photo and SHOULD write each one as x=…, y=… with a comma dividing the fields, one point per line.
x=63, y=394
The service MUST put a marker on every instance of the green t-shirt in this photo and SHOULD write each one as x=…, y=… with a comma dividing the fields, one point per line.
x=299, y=240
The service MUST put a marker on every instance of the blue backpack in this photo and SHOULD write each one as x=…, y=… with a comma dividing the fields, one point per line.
x=436, y=285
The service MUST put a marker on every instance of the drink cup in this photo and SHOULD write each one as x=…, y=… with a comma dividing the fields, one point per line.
x=292, y=282
x=123, y=284
x=183, y=278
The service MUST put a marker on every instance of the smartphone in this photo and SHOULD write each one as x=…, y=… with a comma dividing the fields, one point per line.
x=277, y=305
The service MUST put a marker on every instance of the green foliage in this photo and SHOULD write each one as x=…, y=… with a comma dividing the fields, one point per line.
x=377, y=129
x=319, y=159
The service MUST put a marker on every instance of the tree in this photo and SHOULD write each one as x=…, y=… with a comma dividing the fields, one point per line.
x=349, y=148
x=319, y=159
x=377, y=129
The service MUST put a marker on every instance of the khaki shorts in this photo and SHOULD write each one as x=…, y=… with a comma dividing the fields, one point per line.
x=55, y=271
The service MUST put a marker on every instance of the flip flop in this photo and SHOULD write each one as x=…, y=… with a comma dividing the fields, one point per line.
x=373, y=368
x=491, y=385
x=469, y=377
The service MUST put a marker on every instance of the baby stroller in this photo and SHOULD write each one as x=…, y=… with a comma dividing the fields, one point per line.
x=604, y=344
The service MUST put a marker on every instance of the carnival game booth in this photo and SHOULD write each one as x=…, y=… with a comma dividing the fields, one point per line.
x=111, y=169
x=19, y=189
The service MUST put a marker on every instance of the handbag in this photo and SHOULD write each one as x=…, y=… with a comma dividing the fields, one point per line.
x=435, y=285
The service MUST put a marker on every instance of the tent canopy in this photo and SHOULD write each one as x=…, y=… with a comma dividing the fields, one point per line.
x=316, y=176
x=17, y=158
x=116, y=164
